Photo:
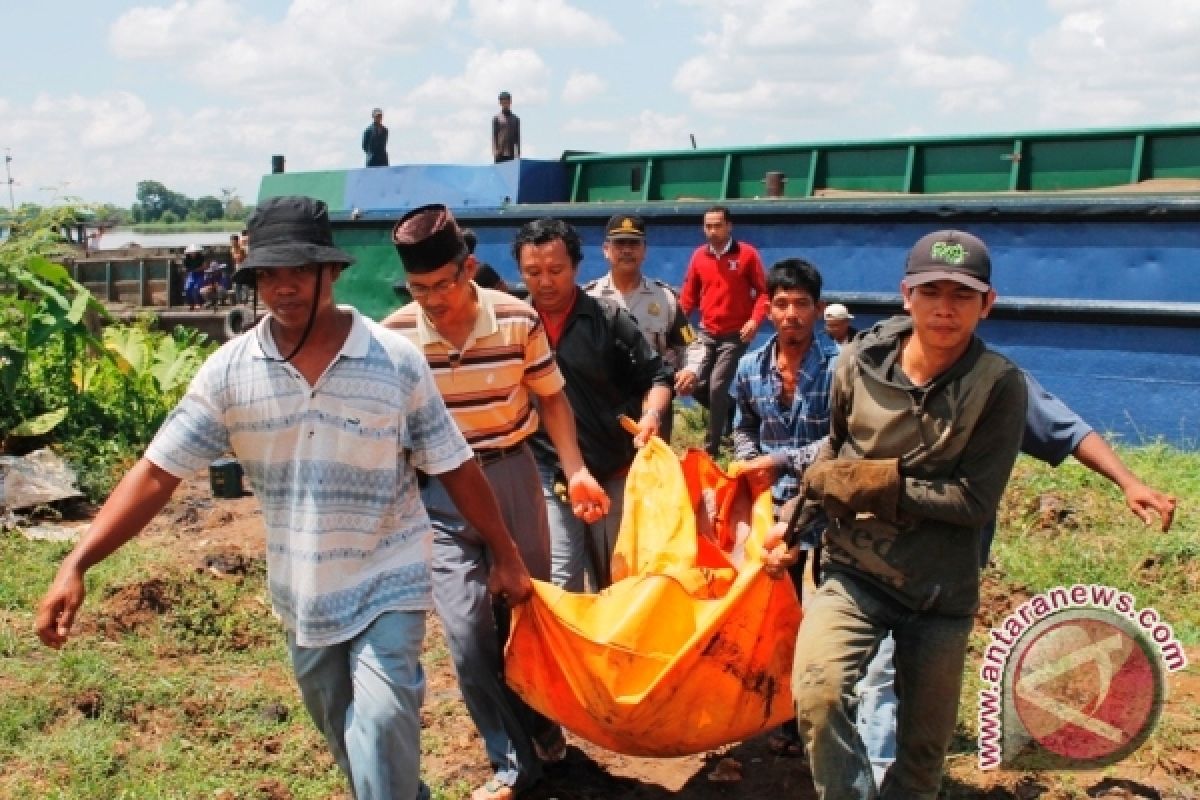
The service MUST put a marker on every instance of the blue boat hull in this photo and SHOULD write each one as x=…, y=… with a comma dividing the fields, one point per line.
x=1100, y=292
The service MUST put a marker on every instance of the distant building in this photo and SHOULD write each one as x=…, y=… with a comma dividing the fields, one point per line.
x=123, y=238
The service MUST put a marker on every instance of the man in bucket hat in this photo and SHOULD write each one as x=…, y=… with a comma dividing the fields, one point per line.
x=491, y=359
x=330, y=415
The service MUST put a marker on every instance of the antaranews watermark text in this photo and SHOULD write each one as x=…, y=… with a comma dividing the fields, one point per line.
x=1073, y=677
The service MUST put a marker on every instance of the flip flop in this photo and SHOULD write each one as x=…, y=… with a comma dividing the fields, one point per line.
x=785, y=746
x=555, y=751
x=494, y=789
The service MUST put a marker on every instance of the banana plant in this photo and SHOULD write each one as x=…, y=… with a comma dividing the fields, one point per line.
x=170, y=361
x=40, y=304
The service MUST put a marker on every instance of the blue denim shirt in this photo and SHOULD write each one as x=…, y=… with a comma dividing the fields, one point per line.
x=763, y=425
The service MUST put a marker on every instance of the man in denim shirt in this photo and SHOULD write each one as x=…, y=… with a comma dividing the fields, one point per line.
x=781, y=390
x=781, y=397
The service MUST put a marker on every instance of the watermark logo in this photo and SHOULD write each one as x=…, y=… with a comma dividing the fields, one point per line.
x=1074, y=678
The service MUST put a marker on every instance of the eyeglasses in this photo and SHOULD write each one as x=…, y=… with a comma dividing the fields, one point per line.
x=440, y=288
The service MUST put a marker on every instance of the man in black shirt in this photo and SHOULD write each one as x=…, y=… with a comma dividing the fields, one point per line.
x=610, y=370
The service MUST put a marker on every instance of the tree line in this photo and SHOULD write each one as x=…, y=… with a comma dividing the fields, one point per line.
x=156, y=203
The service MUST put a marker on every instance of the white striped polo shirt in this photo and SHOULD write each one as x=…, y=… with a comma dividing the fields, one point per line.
x=332, y=466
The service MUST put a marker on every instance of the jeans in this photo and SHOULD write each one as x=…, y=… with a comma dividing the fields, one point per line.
x=842, y=631
x=713, y=385
x=877, y=709
x=877, y=692
x=576, y=546
x=365, y=695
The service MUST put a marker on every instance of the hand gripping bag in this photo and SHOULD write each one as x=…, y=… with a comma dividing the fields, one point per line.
x=691, y=647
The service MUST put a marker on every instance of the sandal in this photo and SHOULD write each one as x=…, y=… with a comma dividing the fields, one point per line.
x=555, y=751
x=494, y=789
x=786, y=746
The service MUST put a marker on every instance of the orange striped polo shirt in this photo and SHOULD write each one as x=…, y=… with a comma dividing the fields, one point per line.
x=487, y=385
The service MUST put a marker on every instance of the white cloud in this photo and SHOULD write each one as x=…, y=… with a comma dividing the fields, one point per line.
x=521, y=72
x=457, y=137
x=319, y=45
x=797, y=58
x=205, y=91
x=653, y=130
x=86, y=124
x=766, y=94
x=578, y=125
x=968, y=103
x=928, y=68
x=582, y=86
x=1114, y=62
x=173, y=32
x=114, y=120
x=547, y=22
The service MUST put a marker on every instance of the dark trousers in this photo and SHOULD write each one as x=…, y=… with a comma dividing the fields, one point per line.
x=714, y=382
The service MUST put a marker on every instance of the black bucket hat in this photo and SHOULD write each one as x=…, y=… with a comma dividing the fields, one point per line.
x=289, y=231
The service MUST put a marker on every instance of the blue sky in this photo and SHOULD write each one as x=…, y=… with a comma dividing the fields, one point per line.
x=198, y=94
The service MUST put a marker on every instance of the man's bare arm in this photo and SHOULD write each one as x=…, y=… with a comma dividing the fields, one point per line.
x=140, y=495
x=1096, y=454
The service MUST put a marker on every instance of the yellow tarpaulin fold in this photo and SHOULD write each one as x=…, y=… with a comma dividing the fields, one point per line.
x=691, y=647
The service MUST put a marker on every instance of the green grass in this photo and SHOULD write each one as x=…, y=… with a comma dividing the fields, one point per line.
x=689, y=424
x=175, y=707
x=1100, y=540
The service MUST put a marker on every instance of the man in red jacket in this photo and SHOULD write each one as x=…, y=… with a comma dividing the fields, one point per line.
x=726, y=281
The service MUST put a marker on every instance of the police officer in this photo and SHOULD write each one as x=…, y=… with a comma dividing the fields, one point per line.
x=652, y=303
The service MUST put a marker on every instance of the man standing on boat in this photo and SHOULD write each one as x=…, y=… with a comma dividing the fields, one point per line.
x=374, y=140
x=490, y=357
x=506, y=131
x=652, y=303
x=725, y=281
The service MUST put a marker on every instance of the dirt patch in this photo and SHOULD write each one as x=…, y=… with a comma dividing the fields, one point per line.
x=747, y=769
x=272, y=790
x=997, y=599
x=224, y=538
x=1052, y=512
x=134, y=605
x=89, y=703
